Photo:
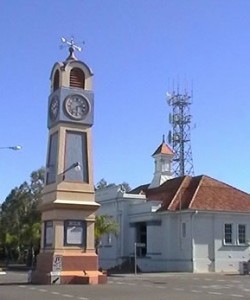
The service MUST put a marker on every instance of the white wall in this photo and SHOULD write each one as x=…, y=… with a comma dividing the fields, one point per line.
x=210, y=253
x=173, y=252
x=228, y=258
x=203, y=242
x=117, y=204
x=108, y=252
x=201, y=250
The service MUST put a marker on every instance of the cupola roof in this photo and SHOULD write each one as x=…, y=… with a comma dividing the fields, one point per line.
x=163, y=148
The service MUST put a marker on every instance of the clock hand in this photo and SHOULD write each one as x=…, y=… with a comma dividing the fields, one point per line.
x=81, y=108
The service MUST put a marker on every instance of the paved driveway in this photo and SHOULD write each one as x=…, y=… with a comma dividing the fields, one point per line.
x=13, y=286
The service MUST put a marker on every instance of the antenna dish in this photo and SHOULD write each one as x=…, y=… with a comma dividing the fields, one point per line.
x=63, y=39
x=169, y=137
x=170, y=118
x=176, y=137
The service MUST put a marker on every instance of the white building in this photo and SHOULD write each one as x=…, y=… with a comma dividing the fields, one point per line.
x=189, y=224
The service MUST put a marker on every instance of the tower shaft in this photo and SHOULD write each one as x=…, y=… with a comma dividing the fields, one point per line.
x=68, y=207
x=180, y=136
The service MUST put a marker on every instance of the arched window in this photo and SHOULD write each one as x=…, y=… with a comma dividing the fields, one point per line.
x=56, y=81
x=77, y=78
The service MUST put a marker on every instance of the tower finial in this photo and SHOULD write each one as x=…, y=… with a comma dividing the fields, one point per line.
x=72, y=47
x=163, y=139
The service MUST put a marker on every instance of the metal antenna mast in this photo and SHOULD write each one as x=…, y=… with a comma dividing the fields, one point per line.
x=180, y=137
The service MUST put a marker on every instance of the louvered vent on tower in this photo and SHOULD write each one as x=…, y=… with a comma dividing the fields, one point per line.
x=77, y=78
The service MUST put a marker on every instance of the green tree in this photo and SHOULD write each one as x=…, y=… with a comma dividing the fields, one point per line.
x=104, y=184
x=126, y=187
x=104, y=224
x=20, y=219
x=14, y=214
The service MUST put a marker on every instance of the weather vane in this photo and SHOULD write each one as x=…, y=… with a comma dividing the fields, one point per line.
x=71, y=44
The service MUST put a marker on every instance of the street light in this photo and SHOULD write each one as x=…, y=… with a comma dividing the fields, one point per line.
x=17, y=147
x=76, y=166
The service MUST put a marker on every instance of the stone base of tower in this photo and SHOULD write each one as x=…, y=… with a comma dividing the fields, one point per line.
x=76, y=269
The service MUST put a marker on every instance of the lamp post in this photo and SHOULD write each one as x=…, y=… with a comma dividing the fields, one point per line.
x=76, y=166
x=17, y=147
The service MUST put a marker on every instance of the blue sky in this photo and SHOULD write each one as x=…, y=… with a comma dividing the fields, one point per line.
x=135, y=49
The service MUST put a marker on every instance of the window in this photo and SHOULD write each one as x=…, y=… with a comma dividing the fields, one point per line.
x=184, y=229
x=52, y=159
x=165, y=167
x=241, y=234
x=108, y=239
x=228, y=233
x=48, y=233
x=56, y=81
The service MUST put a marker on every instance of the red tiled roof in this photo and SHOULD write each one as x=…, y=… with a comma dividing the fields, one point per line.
x=159, y=193
x=163, y=149
x=200, y=192
x=139, y=190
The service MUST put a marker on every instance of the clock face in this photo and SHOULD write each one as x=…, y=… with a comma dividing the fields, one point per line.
x=76, y=106
x=54, y=108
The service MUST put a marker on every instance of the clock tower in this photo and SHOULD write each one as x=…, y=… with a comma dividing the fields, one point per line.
x=68, y=204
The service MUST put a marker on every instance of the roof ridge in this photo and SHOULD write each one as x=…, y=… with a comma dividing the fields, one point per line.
x=196, y=190
x=178, y=190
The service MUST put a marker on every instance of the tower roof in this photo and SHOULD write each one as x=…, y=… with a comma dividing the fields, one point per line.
x=163, y=149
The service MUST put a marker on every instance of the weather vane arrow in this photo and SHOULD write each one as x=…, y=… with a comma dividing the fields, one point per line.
x=72, y=46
